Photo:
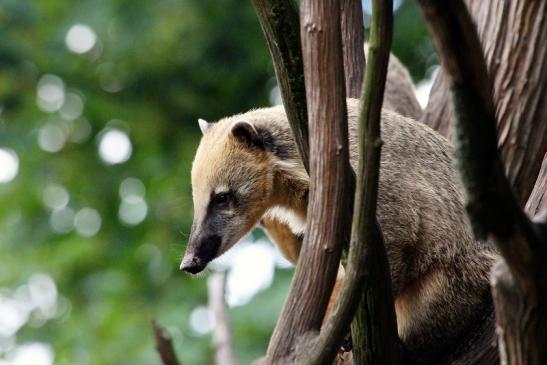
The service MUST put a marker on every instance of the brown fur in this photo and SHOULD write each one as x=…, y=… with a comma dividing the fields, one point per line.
x=399, y=92
x=287, y=242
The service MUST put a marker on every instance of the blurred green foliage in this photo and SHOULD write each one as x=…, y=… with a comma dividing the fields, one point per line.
x=156, y=67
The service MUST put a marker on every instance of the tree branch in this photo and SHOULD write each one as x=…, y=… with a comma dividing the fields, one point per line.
x=520, y=280
x=490, y=202
x=374, y=328
x=281, y=27
x=353, y=39
x=222, y=334
x=327, y=226
x=164, y=345
x=511, y=33
x=537, y=202
x=375, y=339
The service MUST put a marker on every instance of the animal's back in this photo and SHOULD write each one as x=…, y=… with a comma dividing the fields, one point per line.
x=439, y=272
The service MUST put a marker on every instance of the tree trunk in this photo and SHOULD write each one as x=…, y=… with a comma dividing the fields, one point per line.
x=520, y=280
x=521, y=316
x=327, y=225
x=353, y=39
x=513, y=35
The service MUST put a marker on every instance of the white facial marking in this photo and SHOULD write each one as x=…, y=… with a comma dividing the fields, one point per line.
x=221, y=189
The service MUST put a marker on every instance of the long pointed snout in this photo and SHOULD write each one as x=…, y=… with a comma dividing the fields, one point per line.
x=192, y=264
x=200, y=251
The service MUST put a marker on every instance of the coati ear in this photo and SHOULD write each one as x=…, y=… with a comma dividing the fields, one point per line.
x=203, y=125
x=245, y=132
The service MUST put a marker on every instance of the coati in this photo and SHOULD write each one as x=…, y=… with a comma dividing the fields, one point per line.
x=399, y=92
x=247, y=170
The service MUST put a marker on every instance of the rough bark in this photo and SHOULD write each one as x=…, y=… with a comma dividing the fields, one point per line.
x=222, y=334
x=353, y=38
x=329, y=174
x=281, y=26
x=520, y=280
x=538, y=198
x=513, y=36
x=367, y=277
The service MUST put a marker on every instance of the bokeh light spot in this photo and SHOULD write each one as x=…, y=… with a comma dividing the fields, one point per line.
x=252, y=271
x=132, y=187
x=275, y=96
x=114, y=146
x=43, y=294
x=201, y=320
x=50, y=93
x=55, y=197
x=72, y=107
x=80, y=38
x=35, y=353
x=51, y=138
x=9, y=165
x=133, y=210
x=12, y=316
x=87, y=222
x=62, y=220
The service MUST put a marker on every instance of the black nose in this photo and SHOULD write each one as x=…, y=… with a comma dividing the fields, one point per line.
x=192, y=265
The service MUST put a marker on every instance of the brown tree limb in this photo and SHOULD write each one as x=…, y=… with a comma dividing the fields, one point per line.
x=327, y=227
x=490, y=202
x=520, y=280
x=164, y=345
x=222, y=333
x=512, y=35
x=353, y=38
x=537, y=202
x=367, y=279
x=281, y=26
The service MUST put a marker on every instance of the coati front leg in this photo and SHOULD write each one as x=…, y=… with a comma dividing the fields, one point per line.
x=290, y=244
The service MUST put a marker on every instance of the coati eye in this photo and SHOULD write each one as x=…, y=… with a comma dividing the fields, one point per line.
x=222, y=199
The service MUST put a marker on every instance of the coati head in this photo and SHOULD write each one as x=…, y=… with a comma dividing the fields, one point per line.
x=232, y=182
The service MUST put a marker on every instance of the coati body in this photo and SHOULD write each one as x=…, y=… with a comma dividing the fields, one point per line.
x=399, y=92
x=247, y=171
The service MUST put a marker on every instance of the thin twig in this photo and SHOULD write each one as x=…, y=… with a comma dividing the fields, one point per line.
x=164, y=345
